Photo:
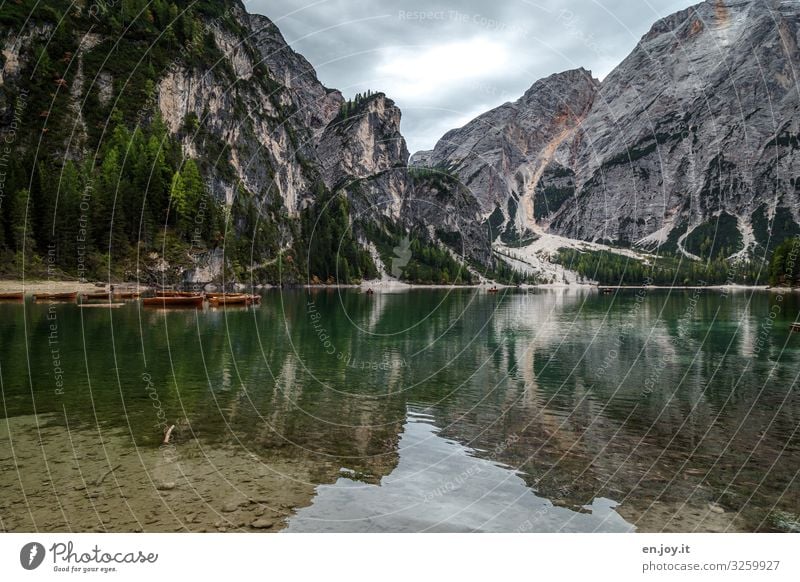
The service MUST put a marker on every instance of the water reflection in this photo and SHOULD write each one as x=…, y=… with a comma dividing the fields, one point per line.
x=440, y=486
x=682, y=407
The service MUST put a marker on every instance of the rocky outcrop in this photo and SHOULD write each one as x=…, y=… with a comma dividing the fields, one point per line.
x=501, y=155
x=315, y=105
x=364, y=152
x=287, y=133
x=450, y=214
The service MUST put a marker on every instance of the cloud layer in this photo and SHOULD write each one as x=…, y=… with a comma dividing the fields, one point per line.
x=444, y=62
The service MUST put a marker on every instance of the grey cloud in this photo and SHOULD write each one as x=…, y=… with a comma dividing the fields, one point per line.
x=350, y=42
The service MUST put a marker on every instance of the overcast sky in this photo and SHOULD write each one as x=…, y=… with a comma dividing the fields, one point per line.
x=446, y=61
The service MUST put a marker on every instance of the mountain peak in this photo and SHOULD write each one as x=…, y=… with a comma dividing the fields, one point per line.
x=716, y=14
x=564, y=80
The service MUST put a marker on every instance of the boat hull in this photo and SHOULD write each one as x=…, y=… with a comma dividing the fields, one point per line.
x=56, y=296
x=12, y=296
x=173, y=301
x=127, y=295
x=237, y=299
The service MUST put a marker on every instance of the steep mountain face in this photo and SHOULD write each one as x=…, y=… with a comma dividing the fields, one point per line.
x=126, y=100
x=363, y=151
x=699, y=122
x=501, y=155
x=315, y=104
x=263, y=102
x=689, y=144
x=196, y=135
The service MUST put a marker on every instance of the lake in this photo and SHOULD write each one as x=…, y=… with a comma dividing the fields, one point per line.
x=418, y=410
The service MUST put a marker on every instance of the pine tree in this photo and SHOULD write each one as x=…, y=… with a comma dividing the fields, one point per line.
x=104, y=198
x=21, y=212
x=67, y=215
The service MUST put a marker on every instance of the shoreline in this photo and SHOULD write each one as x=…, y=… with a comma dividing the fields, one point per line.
x=40, y=285
x=61, y=286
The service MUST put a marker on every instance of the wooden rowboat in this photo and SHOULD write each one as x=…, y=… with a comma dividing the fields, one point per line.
x=106, y=295
x=234, y=299
x=56, y=296
x=12, y=296
x=173, y=301
x=230, y=300
x=126, y=295
x=178, y=294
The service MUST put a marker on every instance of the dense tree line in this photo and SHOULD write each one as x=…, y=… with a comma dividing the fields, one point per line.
x=137, y=189
x=614, y=269
x=333, y=255
x=505, y=274
x=419, y=260
x=784, y=268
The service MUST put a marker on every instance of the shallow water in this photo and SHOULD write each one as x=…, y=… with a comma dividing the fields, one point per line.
x=423, y=410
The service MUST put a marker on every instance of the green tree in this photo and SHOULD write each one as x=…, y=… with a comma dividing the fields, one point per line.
x=67, y=215
x=22, y=209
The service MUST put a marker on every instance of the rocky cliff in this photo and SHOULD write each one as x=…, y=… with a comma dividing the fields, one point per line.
x=275, y=148
x=262, y=101
x=699, y=122
x=688, y=145
x=502, y=155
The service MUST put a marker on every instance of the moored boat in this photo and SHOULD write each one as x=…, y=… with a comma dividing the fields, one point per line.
x=126, y=295
x=196, y=301
x=12, y=296
x=238, y=299
x=56, y=296
x=91, y=296
x=178, y=294
x=233, y=299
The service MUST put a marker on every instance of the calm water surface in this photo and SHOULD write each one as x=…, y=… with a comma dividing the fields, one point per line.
x=424, y=410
